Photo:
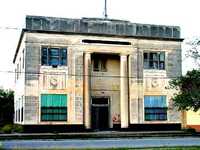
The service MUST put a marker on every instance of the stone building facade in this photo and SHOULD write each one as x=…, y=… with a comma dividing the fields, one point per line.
x=96, y=73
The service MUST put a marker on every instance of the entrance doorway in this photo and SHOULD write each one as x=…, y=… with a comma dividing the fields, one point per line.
x=100, y=113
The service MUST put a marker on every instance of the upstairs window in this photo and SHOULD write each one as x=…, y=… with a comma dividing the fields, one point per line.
x=99, y=65
x=154, y=60
x=99, y=62
x=54, y=56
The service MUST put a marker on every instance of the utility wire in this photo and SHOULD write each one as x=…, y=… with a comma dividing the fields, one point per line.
x=9, y=28
x=81, y=75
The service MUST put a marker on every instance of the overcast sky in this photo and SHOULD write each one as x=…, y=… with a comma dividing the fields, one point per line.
x=183, y=13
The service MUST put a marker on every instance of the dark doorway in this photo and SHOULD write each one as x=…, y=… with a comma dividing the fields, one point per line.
x=100, y=113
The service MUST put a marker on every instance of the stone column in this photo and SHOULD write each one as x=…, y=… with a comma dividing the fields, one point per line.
x=124, y=91
x=87, y=105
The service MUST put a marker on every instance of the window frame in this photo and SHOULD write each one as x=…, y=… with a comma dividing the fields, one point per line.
x=60, y=56
x=148, y=63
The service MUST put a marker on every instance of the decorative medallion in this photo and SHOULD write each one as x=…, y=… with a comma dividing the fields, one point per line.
x=53, y=82
x=154, y=83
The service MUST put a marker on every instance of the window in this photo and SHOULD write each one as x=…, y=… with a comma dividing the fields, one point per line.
x=15, y=75
x=17, y=71
x=23, y=58
x=99, y=64
x=15, y=115
x=22, y=114
x=20, y=66
x=154, y=60
x=53, y=107
x=155, y=108
x=54, y=56
x=18, y=115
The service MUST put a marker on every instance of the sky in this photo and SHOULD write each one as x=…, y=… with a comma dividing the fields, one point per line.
x=183, y=13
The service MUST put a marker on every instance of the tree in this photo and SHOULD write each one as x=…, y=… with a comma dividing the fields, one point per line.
x=188, y=87
x=6, y=106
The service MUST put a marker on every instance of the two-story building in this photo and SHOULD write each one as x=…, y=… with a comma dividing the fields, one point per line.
x=96, y=73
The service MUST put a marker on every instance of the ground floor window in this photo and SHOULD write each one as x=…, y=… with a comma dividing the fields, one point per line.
x=155, y=108
x=54, y=107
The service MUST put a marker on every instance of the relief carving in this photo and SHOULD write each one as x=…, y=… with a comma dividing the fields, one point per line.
x=54, y=81
x=154, y=83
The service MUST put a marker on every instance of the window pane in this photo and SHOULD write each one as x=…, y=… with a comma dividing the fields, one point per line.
x=145, y=56
x=53, y=56
x=155, y=101
x=63, y=53
x=54, y=52
x=155, y=65
x=154, y=56
x=54, y=61
x=53, y=114
x=146, y=65
x=96, y=65
x=162, y=65
x=53, y=100
x=152, y=114
x=162, y=56
x=103, y=65
x=44, y=56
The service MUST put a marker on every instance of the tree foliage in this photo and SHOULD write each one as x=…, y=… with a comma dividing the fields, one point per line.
x=188, y=86
x=6, y=106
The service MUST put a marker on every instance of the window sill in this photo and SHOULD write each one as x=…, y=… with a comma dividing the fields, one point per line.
x=51, y=67
x=154, y=72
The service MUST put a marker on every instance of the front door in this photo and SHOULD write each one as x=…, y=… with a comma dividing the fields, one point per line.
x=100, y=113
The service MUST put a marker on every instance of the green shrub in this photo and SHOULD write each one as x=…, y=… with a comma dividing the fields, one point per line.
x=6, y=128
x=191, y=130
x=17, y=128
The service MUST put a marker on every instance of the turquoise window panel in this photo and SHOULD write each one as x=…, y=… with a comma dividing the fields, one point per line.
x=54, y=107
x=155, y=101
x=53, y=100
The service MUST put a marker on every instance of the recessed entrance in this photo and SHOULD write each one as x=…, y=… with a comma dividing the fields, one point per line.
x=100, y=113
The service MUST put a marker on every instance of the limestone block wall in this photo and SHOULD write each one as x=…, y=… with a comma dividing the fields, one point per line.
x=70, y=78
x=38, y=78
x=156, y=81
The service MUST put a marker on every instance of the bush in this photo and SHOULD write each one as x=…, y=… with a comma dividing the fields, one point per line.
x=190, y=130
x=9, y=128
x=6, y=128
x=18, y=128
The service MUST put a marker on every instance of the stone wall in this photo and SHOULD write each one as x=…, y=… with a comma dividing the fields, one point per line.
x=71, y=77
x=101, y=26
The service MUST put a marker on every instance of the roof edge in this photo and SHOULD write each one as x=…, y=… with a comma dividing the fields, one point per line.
x=18, y=44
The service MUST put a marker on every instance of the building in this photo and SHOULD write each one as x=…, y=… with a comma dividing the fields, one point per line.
x=192, y=120
x=96, y=73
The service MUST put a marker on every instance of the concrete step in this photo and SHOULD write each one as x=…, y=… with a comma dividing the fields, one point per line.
x=100, y=134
